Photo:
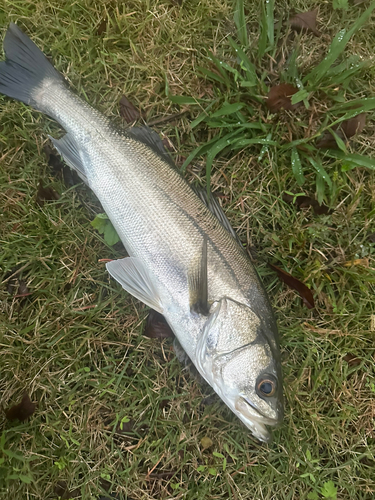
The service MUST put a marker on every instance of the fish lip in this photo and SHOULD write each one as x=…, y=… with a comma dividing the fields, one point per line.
x=274, y=422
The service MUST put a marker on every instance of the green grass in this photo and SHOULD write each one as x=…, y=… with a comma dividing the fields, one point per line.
x=76, y=345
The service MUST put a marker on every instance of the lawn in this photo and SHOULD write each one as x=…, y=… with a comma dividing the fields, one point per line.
x=117, y=416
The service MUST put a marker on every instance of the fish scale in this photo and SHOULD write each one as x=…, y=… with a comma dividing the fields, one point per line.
x=183, y=260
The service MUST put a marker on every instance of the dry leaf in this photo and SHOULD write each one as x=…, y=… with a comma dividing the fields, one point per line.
x=305, y=21
x=279, y=97
x=102, y=27
x=297, y=285
x=327, y=141
x=347, y=129
x=157, y=327
x=352, y=360
x=306, y=202
x=128, y=111
x=354, y=126
x=45, y=194
x=22, y=411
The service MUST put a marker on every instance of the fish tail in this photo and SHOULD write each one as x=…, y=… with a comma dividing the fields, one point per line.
x=26, y=74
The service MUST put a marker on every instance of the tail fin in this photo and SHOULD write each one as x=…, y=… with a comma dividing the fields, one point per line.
x=24, y=68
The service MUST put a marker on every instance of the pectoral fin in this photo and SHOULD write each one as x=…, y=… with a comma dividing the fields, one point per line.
x=198, y=286
x=136, y=279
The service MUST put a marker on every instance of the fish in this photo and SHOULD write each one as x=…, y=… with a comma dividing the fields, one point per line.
x=184, y=259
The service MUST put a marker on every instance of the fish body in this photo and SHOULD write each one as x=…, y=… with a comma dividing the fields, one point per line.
x=183, y=261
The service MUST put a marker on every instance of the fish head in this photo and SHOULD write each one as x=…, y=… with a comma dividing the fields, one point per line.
x=240, y=358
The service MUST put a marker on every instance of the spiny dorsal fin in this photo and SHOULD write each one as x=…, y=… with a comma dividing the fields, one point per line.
x=152, y=140
x=214, y=206
x=198, y=283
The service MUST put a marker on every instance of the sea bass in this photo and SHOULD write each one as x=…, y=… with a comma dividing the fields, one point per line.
x=184, y=260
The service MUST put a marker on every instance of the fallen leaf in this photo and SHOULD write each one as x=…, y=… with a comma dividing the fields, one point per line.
x=168, y=144
x=352, y=360
x=45, y=194
x=128, y=111
x=347, y=129
x=297, y=285
x=328, y=141
x=22, y=291
x=157, y=327
x=354, y=125
x=102, y=27
x=206, y=442
x=22, y=411
x=161, y=475
x=125, y=427
x=306, y=202
x=305, y=21
x=279, y=97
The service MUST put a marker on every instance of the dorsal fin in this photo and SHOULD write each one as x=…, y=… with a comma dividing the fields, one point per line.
x=152, y=140
x=214, y=206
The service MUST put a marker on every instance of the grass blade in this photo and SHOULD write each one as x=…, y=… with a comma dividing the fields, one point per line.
x=214, y=151
x=240, y=21
x=352, y=160
x=245, y=64
x=266, y=38
x=337, y=47
x=321, y=171
x=228, y=109
x=297, y=167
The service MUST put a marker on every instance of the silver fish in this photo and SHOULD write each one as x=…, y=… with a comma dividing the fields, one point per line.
x=184, y=261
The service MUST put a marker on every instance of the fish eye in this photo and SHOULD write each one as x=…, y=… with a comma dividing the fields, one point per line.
x=266, y=386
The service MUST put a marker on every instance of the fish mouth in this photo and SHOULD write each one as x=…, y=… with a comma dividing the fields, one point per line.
x=259, y=416
x=254, y=419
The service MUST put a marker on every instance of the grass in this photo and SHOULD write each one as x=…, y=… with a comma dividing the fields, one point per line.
x=116, y=412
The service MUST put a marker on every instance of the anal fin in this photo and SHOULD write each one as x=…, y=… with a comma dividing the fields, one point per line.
x=68, y=149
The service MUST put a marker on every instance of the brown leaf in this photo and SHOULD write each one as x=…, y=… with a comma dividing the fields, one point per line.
x=352, y=360
x=327, y=140
x=354, y=125
x=22, y=411
x=306, y=202
x=22, y=291
x=279, y=97
x=161, y=475
x=305, y=21
x=128, y=111
x=102, y=27
x=45, y=194
x=297, y=285
x=168, y=144
x=347, y=129
x=157, y=327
